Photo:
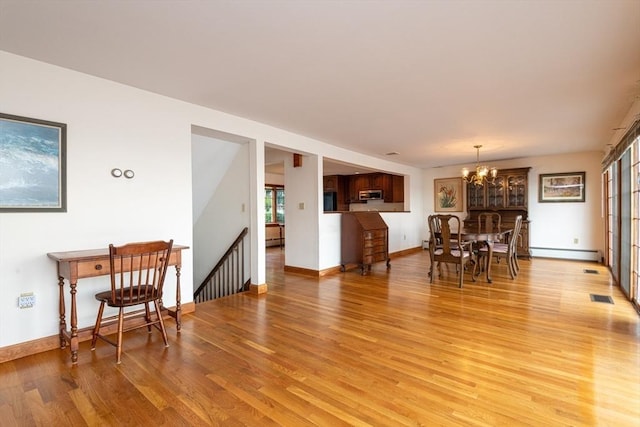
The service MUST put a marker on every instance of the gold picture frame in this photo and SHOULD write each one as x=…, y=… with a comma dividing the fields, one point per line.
x=447, y=195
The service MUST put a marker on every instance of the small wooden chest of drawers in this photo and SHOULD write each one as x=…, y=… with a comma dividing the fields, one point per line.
x=364, y=240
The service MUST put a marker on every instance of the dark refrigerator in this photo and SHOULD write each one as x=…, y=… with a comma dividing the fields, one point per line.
x=330, y=201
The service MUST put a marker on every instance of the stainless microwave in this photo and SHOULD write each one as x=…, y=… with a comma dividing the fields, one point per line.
x=370, y=195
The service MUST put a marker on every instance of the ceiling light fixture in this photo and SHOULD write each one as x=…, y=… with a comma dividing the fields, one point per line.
x=483, y=173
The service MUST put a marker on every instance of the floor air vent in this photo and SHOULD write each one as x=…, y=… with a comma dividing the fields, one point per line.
x=589, y=271
x=601, y=298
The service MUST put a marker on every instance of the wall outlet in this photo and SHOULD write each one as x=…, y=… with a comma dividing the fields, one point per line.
x=27, y=300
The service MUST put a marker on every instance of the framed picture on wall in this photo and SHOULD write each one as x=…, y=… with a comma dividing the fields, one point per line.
x=447, y=195
x=32, y=165
x=561, y=187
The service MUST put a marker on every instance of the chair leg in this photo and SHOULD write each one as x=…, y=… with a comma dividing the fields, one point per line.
x=96, y=328
x=431, y=272
x=510, y=267
x=461, y=267
x=515, y=261
x=147, y=316
x=478, y=265
x=162, y=328
x=120, y=328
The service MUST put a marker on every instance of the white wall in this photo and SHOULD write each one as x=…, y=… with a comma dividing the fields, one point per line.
x=558, y=224
x=302, y=208
x=274, y=178
x=552, y=225
x=210, y=160
x=109, y=125
x=227, y=211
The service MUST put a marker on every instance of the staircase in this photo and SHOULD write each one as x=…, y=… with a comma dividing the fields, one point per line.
x=228, y=275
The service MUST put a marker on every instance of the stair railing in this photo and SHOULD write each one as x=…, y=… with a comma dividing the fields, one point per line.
x=228, y=275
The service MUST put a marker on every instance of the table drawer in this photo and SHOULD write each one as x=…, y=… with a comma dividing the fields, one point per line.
x=93, y=268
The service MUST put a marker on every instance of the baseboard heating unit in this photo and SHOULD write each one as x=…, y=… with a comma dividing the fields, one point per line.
x=574, y=254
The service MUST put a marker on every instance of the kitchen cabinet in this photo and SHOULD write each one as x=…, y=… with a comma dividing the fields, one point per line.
x=358, y=183
x=392, y=186
x=348, y=187
x=331, y=182
x=397, y=190
x=377, y=181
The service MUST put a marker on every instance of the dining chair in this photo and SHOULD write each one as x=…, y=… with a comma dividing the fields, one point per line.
x=508, y=251
x=435, y=232
x=489, y=222
x=449, y=248
x=137, y=272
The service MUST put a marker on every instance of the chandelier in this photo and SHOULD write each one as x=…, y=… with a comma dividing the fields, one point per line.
x=483, y=173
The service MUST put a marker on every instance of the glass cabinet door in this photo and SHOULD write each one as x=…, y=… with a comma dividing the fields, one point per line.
x=495, y=193
x=475, y=196
x=517, y=191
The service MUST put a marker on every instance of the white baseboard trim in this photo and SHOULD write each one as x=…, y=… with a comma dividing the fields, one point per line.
x=574, y=254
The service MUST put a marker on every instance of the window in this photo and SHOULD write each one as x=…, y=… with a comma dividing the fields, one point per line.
x=622, y=179
x=274, y=204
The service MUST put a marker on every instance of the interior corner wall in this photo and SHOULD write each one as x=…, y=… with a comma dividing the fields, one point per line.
x=226, y=213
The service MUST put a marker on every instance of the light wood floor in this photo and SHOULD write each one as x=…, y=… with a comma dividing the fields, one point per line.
x=383, y=350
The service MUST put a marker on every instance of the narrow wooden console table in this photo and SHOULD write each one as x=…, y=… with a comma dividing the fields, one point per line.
x=82, y=264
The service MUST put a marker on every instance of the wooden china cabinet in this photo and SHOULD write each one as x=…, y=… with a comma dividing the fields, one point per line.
x=507, y=195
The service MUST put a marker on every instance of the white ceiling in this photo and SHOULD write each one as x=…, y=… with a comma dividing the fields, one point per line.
x=426, y=79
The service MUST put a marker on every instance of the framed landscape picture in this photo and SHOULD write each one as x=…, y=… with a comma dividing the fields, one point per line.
x=32, y=165
x=447, y=195
x=561, y=187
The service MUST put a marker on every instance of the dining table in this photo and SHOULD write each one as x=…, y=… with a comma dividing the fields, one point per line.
x=487, y=238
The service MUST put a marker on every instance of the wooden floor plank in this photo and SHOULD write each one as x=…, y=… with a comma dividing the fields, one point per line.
x=386, y=349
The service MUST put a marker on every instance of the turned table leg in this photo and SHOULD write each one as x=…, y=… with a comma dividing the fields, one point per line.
x=178, y=307
x=74, y=325
x=63, y=322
